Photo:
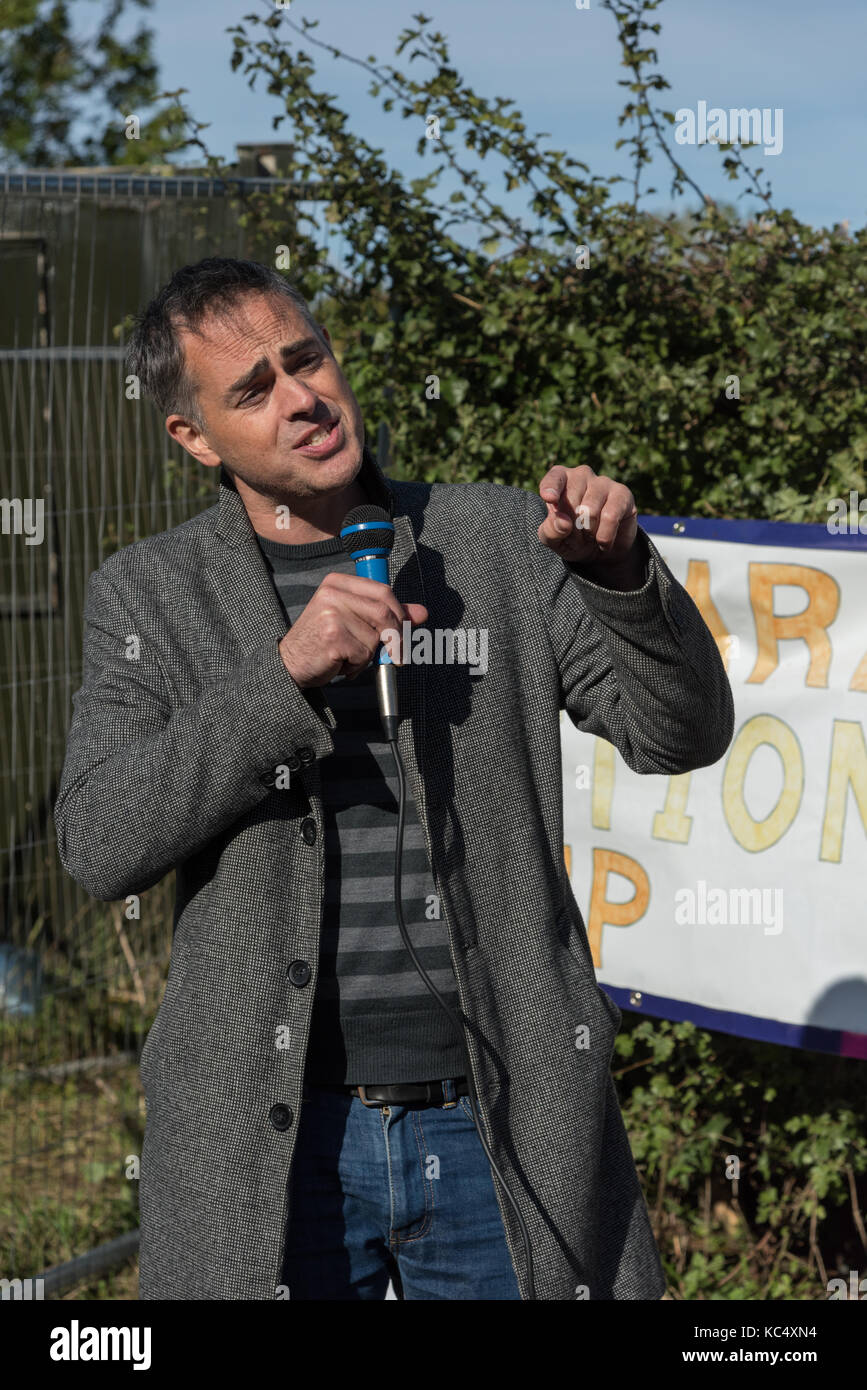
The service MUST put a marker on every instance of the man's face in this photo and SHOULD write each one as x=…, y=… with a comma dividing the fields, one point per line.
x=266, y=383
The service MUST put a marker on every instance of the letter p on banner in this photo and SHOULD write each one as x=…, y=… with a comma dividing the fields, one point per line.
x=604, y=911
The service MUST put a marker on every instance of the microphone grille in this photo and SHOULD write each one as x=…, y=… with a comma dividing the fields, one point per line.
x=378, y=538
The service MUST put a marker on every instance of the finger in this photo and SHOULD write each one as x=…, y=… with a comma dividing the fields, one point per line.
x=392, y=638
x=618, y=507
x=554, y=531
x=377, y=618
x=370, y=590
x=361, y=652
x=556, y=526
x=580, y=482
x=351, y=669
x=380, y=615
x=573, y=480
x=569, y=499
x=592, y=504
x=587, y=515
x=356, y=633
x=553, y=483
x=376, y=612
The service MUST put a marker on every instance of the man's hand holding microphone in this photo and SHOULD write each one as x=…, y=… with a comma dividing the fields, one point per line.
x=339, y=630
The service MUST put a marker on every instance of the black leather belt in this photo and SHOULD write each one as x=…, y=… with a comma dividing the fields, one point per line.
x=408, y=1093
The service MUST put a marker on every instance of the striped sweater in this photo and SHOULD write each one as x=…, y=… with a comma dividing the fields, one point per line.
x=374, y=1020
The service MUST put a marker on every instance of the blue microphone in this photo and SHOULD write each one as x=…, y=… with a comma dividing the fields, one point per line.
x=368, y=539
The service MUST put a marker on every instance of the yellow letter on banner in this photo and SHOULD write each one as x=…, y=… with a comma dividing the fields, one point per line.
x=755, y=835
x=602, y=912
x=603, y=783
x=823, y=600
x=848, y=767
x=859, y=680
x=672, y=822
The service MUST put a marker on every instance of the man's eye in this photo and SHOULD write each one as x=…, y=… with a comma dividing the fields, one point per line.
x=308, y=361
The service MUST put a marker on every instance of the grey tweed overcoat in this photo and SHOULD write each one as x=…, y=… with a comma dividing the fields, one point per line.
x=171, y=763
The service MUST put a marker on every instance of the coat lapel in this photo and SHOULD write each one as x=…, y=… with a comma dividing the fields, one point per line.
x=238, y=576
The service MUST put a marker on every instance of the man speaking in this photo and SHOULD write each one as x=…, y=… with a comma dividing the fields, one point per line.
x=309, y=1129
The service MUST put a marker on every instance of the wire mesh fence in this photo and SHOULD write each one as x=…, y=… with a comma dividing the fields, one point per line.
x=82, y=474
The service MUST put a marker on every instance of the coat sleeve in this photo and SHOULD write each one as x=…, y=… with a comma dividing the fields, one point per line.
x=640, y=667
x=145, y=784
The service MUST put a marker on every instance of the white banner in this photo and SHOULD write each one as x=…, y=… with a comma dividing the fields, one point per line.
x=735, y=895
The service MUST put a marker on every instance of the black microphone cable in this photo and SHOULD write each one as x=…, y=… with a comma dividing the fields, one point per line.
x=398, y=903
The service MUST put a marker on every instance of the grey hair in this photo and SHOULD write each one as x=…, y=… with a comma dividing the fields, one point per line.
x=212, y=286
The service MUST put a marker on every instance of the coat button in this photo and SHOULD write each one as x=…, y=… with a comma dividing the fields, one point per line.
x=299, y=973
x=308, y=830
x=293, y=762
x=306, y=755
x=281, y=1116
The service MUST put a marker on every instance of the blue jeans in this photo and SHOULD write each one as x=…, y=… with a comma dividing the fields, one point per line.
x=397, y=1192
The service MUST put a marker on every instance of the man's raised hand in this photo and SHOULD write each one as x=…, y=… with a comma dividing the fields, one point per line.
x=591, y=519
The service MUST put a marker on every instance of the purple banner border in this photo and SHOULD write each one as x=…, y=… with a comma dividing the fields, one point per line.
x=801, y=535
x=836, y=1041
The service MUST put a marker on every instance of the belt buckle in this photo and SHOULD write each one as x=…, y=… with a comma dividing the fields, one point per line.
x=371, y=1104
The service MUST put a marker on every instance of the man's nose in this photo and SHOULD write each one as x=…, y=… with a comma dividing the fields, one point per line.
x=296, y=398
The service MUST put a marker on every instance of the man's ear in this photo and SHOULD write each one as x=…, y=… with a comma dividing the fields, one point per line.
x=190, y=438
x=327, y=336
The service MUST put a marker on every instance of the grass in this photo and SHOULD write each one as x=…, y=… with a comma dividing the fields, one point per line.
x=67, y=1136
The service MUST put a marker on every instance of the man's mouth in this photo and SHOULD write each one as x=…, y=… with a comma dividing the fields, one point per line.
x=322, y=441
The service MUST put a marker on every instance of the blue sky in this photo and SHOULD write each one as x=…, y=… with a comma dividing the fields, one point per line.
x=561, y=66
